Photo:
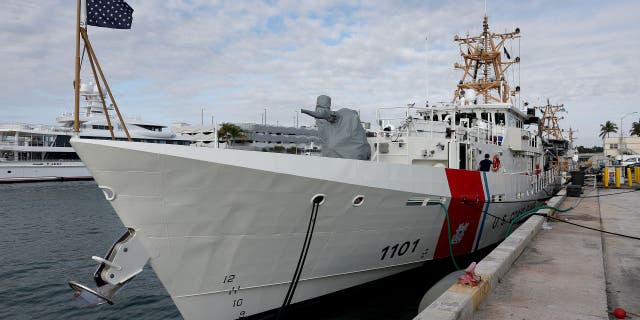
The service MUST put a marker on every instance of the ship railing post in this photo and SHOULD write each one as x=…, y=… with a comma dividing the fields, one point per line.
x=408, y=147
x=539, y=183
x=548, y=173
x=378, y=149
x=546, y=178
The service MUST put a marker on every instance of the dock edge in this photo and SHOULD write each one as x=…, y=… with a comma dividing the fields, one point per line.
x=459, y=301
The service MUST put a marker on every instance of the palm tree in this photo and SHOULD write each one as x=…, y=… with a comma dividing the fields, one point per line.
x=635, y=129
x=607, y=128
x=229, y=132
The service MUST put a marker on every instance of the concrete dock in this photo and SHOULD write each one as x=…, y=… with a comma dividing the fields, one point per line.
x=565, y=272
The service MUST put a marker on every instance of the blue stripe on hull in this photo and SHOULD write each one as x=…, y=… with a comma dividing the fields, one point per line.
x=487, y=195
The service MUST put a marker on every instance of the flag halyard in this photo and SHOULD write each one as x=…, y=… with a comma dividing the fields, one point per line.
x=115, y=14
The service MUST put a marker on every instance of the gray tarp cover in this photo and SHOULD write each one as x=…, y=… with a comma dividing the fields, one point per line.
x=344, y=137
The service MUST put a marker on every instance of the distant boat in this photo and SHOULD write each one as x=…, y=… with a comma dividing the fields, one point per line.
x=42, y=152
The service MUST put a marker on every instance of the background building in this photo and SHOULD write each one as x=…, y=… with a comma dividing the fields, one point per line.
x=257, y=137
x=618, y=146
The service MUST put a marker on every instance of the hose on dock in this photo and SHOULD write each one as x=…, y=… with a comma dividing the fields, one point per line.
x=446, y=213
x=534, y=212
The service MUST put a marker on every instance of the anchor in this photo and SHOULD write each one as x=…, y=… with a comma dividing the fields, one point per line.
x=122, y=263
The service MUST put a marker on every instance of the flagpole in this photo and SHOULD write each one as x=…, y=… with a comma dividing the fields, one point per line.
x=76, y=82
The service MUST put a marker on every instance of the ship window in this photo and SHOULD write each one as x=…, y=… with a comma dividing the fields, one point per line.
x=484, y=116
x=9, y=171
x=466, y=115
x=358, y=200
x=435, y=117
x=150, y=127
x=499, y=118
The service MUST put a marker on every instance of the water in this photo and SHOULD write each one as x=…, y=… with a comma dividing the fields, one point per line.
x=49, y=231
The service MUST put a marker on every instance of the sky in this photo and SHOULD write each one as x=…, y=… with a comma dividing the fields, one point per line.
x=235, y=58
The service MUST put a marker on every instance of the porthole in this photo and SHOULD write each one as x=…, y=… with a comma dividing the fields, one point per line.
x=357, y=200
x=9, y=171
x=318, y=199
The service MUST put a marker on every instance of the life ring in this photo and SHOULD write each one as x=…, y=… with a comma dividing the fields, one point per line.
x=495, y=164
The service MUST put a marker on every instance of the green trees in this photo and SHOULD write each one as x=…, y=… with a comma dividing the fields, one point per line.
x=228, y=132
x=607, y=128
x=635, y=129
x=594, y=149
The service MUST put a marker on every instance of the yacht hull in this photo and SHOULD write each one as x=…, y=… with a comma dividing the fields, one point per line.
x=21, y=171
x=224, y=229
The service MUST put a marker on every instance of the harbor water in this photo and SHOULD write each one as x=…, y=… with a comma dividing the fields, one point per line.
x=50, y=230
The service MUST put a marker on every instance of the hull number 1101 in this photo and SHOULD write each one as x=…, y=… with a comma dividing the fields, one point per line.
x=398, y=250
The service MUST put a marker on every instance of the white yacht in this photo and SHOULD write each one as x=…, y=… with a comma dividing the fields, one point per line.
x=233, y=233
x=42, y=152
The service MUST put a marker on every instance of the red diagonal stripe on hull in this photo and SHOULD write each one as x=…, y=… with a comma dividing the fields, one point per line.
x=467, y=185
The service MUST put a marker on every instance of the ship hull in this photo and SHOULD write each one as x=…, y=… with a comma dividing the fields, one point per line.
x=225, y=228
x=22, y=171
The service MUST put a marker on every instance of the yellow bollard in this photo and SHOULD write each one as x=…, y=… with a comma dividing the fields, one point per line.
x=605, y=177
x=629, y=179
x=618, y=171
x=637, y=174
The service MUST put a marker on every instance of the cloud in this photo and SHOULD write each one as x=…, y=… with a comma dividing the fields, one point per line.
x=236, y=58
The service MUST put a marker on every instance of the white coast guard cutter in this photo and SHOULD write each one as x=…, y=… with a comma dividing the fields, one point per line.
x=234, y=233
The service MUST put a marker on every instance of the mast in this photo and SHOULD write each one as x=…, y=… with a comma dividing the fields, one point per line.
x=550, y=126
x=571, y=136
x=76, y=82
x=483, y=69
x=121, y=21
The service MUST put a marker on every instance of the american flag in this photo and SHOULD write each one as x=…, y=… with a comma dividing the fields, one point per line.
x=115, y=14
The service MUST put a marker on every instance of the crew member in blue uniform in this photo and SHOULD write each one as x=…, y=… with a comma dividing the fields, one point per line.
x=485, y=165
